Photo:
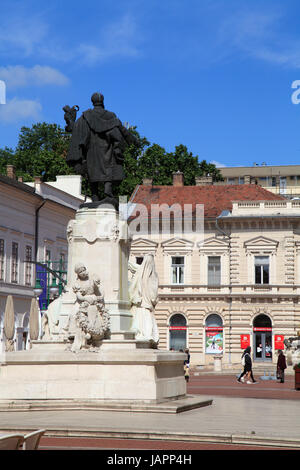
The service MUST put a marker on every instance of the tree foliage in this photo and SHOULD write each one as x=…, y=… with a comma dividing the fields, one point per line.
x=42, y=149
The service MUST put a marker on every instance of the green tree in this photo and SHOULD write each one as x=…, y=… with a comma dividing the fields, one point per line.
x=131, y=165
x=41, y=151
x=7, y=157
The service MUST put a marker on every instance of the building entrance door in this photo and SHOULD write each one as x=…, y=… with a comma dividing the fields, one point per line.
x=262, y=332
x=262, y=346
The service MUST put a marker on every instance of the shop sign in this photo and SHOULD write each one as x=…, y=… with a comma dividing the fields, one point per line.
x=278, y=341
x=262, y=329
x=245, y=341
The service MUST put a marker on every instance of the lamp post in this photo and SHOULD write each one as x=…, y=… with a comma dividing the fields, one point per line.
x=54, y=290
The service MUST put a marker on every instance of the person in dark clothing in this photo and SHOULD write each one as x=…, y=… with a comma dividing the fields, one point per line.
x=281, y=366
x=188, y=355
x=247, y=372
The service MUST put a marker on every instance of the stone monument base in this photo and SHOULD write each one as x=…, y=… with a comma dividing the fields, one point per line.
x=112, y=379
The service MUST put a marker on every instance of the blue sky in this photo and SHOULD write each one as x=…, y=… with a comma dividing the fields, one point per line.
x=214, y=75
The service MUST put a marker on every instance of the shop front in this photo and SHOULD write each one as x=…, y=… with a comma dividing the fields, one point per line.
x=262, y=339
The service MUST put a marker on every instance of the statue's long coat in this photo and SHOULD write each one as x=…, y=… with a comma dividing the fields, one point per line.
x=99, y=138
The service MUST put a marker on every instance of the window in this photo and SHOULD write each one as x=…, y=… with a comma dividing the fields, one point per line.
x=28, y=265
x=274, y=182
x=261, y=270
x=177, y=332
x=48, y=256
x=1, y=260
x=177, y=269
x=230, y=180
x=214, y=271
x=14, y=262
x=241, y=180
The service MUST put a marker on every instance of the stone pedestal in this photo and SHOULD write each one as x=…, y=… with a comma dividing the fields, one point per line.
x=120, y=369
x=145, y=375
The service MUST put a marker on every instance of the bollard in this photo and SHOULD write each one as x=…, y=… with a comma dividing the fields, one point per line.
x=217, y=363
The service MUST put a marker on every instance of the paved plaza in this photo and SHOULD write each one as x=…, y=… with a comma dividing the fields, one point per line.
x=265, y=414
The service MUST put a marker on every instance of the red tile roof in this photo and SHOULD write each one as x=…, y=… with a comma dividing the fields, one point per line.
x=216, y=198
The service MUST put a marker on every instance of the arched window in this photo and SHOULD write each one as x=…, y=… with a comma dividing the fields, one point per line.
x=214, y=334
x=262, y=321
x=177, y=332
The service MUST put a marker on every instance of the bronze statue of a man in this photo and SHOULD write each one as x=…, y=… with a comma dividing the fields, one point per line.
x=97, y=147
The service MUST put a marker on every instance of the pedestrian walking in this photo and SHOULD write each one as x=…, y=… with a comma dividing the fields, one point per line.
x=188, y=355
x=247, y=363
x=186, y=372
x=281, y=366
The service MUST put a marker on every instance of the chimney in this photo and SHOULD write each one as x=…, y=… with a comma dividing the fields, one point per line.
x=37, y=180
x=147, y=181
x=11, y=171
x=178, y=179
x=247, y=179
x=204, y=180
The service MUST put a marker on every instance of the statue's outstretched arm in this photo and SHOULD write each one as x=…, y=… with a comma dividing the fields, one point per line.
x=133, y=267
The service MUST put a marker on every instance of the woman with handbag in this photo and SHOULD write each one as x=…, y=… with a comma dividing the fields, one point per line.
x=247, y=363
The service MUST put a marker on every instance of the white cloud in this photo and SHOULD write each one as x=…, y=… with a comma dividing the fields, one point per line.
x=21, y=33
x=259, y=34
x=18, y=110
x=118, y=39
x=19, y=76
x=218, y=164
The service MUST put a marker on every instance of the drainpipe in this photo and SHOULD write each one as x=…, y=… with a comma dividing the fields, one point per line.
x=36, y=239
x=230, y=287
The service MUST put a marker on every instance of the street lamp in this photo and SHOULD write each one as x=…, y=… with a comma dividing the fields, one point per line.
x=38, y=290
x=54, y=289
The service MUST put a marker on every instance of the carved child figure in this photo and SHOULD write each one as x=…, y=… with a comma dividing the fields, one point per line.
x=91, y=316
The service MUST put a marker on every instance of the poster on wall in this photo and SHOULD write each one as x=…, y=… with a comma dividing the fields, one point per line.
x=245, y=341
x=278, y=340
x=214, y=341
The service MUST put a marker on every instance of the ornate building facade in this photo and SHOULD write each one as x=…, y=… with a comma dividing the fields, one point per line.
x=234, y=284
x=33, y=224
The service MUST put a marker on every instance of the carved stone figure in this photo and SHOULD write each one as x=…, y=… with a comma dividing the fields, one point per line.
x=92, y=319
x=293, y=349
x=143, y=294
x=50, y=319
x=97, y=148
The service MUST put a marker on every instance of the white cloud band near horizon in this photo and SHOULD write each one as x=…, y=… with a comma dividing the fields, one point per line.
x=218, y=164
x=16, y=76
x=19, y=110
